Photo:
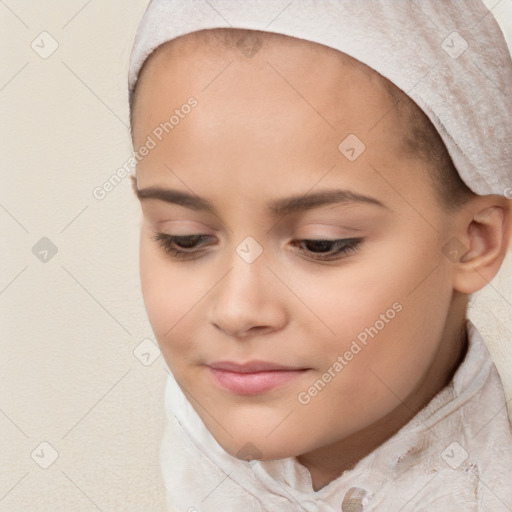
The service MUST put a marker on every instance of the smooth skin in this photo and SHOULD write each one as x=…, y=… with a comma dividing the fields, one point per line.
x=268, y=127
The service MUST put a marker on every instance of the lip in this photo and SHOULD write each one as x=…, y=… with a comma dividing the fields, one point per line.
x=253, y=377
x=255, y=365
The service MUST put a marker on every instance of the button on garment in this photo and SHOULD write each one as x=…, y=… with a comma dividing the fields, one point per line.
x=454, y=455
x=353, y=500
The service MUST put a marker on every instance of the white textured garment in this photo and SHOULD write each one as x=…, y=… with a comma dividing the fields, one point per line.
x=449, y=56
x=455, y=455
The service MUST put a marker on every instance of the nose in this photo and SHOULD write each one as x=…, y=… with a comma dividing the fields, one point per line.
x=247, y=300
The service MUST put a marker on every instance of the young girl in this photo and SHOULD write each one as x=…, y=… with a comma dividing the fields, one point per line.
x=323, y=186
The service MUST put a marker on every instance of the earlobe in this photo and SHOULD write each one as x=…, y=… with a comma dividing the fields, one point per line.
x=487, y=236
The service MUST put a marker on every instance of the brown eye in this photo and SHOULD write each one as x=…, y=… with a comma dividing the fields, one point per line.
x=180, y=246
x=187, y=246
x=329, y=249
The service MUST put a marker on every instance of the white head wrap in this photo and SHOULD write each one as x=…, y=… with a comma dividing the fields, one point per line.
x=450, y=57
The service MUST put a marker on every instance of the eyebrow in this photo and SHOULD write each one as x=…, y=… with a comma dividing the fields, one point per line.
x=282, y=206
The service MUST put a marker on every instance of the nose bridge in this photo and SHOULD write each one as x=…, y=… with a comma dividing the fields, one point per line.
x=247, y=272
x=244, y=296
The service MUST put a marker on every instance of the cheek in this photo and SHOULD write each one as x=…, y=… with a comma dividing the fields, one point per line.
x=352, y=296
x=388, y=316
x=169, y=292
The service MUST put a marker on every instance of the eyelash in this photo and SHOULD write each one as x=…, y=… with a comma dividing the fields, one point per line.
x=345, y=246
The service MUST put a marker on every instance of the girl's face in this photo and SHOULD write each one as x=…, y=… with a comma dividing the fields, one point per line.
x=305, y=248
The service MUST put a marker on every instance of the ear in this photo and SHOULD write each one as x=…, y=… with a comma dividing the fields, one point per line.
x=485, y=232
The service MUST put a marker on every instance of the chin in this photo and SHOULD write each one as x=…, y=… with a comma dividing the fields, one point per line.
x=259, y=448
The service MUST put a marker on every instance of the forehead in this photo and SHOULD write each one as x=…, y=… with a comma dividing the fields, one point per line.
x=284, y=110
x=321, y=75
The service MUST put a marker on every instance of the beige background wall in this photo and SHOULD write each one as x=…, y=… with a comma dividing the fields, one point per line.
x=71, y=327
